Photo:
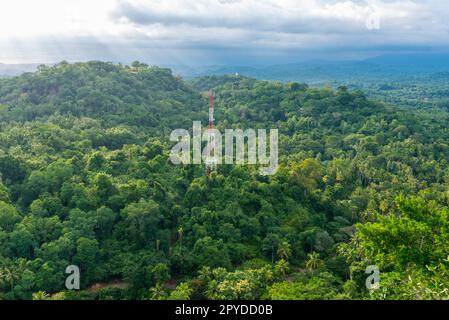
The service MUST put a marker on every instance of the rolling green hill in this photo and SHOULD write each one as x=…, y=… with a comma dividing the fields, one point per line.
x=86, y=180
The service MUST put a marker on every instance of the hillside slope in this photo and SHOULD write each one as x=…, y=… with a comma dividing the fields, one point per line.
x=86, y=180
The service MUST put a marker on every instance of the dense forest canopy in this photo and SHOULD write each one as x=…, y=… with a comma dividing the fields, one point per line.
x=86, y=180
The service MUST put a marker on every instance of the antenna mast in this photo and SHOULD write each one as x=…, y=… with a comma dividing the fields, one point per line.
x=211, y=161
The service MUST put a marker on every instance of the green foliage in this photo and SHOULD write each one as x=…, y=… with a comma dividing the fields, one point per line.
x=323, y=286
x=86, y=180
x=182, y=292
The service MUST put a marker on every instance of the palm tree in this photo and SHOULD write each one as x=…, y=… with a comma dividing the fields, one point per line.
x=205, y=274
x=8, y=276
x=281, y=267
x=12, y=272
x=3, y=276
x=314, y=262
x=157, y=292
x=41, y=295
x=212, y=290
x=284, y=251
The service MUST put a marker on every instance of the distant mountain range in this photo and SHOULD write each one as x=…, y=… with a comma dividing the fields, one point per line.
x=9, y=70
x=393, y=67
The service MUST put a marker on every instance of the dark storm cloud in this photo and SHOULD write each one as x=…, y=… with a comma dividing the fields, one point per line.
x=266, y=18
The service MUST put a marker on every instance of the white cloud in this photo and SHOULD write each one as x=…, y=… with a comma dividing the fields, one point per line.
x=51, y=30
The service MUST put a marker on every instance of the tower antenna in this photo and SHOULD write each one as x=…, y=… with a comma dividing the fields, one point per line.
x=211, y=160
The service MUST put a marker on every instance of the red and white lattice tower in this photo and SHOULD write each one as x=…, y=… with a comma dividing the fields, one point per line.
x=211, y=160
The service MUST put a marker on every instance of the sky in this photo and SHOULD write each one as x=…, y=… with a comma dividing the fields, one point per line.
x=218, y=32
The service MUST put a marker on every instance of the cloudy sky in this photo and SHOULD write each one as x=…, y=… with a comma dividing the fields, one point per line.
x=204, y=32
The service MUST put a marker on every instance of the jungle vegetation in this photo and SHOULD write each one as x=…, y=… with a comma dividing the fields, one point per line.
x=86, y=180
